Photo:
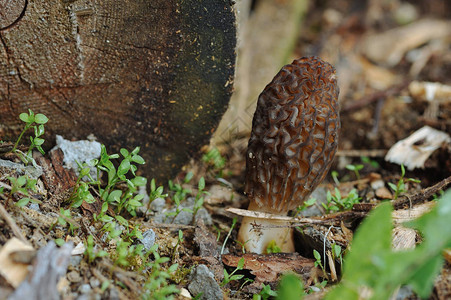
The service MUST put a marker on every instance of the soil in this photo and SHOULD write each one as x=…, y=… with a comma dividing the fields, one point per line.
x=377, y=110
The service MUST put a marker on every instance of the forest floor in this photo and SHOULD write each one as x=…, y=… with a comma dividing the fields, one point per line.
x=393, y=61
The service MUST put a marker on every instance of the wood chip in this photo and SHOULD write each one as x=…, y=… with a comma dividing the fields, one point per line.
x=413, y=151
x=388, y=49
x=403, y=238
x=404, y=215
x=12, y=271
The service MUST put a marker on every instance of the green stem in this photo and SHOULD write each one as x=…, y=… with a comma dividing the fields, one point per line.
x=20, y=137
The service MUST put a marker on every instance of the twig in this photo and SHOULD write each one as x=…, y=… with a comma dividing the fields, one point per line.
x=408, y=200
x=364, y=101
x=423, y=194
x=359, y=153
x=15, y=229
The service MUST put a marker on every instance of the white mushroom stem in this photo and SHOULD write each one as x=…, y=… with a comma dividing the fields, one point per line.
x=257, y=233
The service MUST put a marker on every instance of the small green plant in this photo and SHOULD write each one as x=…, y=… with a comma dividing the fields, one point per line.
x=265, y=293
x=334, y=175
x=90, y=251
x=337, y=253
x=318, y=262
x=228, y=235
x=157, y=286
x=355, y=169
x=369, y=161
x=232, y=276
x=155, y=192
x=400, y=187
x=215, y=161
x=129, y=199
x=37, y=123
x=199, y=199
x=179, y=195
x=126, y=253
x=273, y=247
x=65, y=218
x=81, y=191
x=22, y=185
x=336, y=203
x=179, y=242
x=374, y=267
x=318, y=286
x=305, y=205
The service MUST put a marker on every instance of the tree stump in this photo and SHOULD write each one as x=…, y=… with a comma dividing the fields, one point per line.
x=156, y=74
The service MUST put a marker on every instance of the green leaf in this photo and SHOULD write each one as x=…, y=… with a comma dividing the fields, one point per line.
x=188, y=177
x=38, y=141
x=393, y=186
x=139, y=181
x=40, y=119
x=22, y=202
x=138, y=159
x=124, y=152
x=21, y=181
x=59, y=242
x=114, y=196
x=201, y=184
x=25, y=118
x=317, y=255
x=123, y=168
x=240, y=264
x=134, y=203
x=122, y=220
x=423, y=279
x=290, y=288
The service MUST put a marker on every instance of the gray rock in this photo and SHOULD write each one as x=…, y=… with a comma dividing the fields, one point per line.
x=114, y=293
x=203, y=281
x=184, y=217
x=81, y=151
x=84, y=288
x=320, y=194
x=34, y=206
x=94, y=282
x=158, y=205
x=33, y=171
x=74, y=277
x=148, y=239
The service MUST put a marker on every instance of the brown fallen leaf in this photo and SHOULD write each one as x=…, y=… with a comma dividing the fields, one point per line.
x=11, y=270
x=268, y=267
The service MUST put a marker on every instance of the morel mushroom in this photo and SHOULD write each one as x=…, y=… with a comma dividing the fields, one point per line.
x=293, y=142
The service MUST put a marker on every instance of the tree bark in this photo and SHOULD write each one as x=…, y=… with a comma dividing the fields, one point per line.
x=156, y=74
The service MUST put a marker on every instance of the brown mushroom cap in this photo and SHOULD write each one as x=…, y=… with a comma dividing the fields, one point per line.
x=294, y=135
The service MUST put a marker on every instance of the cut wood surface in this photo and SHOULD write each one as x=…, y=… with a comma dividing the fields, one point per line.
x=155, y=74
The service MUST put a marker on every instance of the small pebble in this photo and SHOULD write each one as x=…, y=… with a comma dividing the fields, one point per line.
x=114, y=294
x=94, y=282
x=203, y=281
x=148, y=239
x=84, y=288
x=34, y=206
x=75, y=260
x=74, y=277
x=383, y=193
x=158, y=204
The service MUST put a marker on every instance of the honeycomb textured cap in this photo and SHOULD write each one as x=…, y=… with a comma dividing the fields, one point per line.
x=294, y=135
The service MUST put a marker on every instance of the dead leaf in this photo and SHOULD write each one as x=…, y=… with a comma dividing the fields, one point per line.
x=11, y=270
x=414, y=150
x=268, y=267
